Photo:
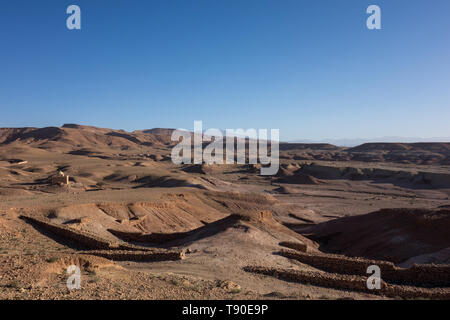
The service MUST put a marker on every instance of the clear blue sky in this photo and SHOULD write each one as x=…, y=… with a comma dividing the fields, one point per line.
x=310, y=68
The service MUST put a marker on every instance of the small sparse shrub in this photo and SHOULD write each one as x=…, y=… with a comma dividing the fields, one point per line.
x=94, y=279
x=51, y=259
x=235, y=290
x=14, y=284
x=91, y=272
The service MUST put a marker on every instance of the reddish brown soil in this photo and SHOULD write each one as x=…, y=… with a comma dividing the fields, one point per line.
x=225, y=217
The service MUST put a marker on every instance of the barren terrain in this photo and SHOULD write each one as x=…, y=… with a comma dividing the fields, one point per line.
x=141, y=227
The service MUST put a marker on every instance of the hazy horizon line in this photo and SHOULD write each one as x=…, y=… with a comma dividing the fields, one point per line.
x=345, y=142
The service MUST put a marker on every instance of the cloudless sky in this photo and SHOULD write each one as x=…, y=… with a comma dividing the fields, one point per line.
x=308, y=67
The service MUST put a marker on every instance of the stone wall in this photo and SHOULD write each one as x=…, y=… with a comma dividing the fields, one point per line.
x=418, y=275
x=294, y=245
x=81, y=237
x=122, y=255
x=350, y=282
x=160, y=238
x=149, y=237
x=102, y=247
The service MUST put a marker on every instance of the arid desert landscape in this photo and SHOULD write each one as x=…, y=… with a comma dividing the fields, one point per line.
x=140, y=227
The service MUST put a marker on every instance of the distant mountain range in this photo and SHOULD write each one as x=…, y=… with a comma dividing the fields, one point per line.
x=357, y=142
x=104, y=143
